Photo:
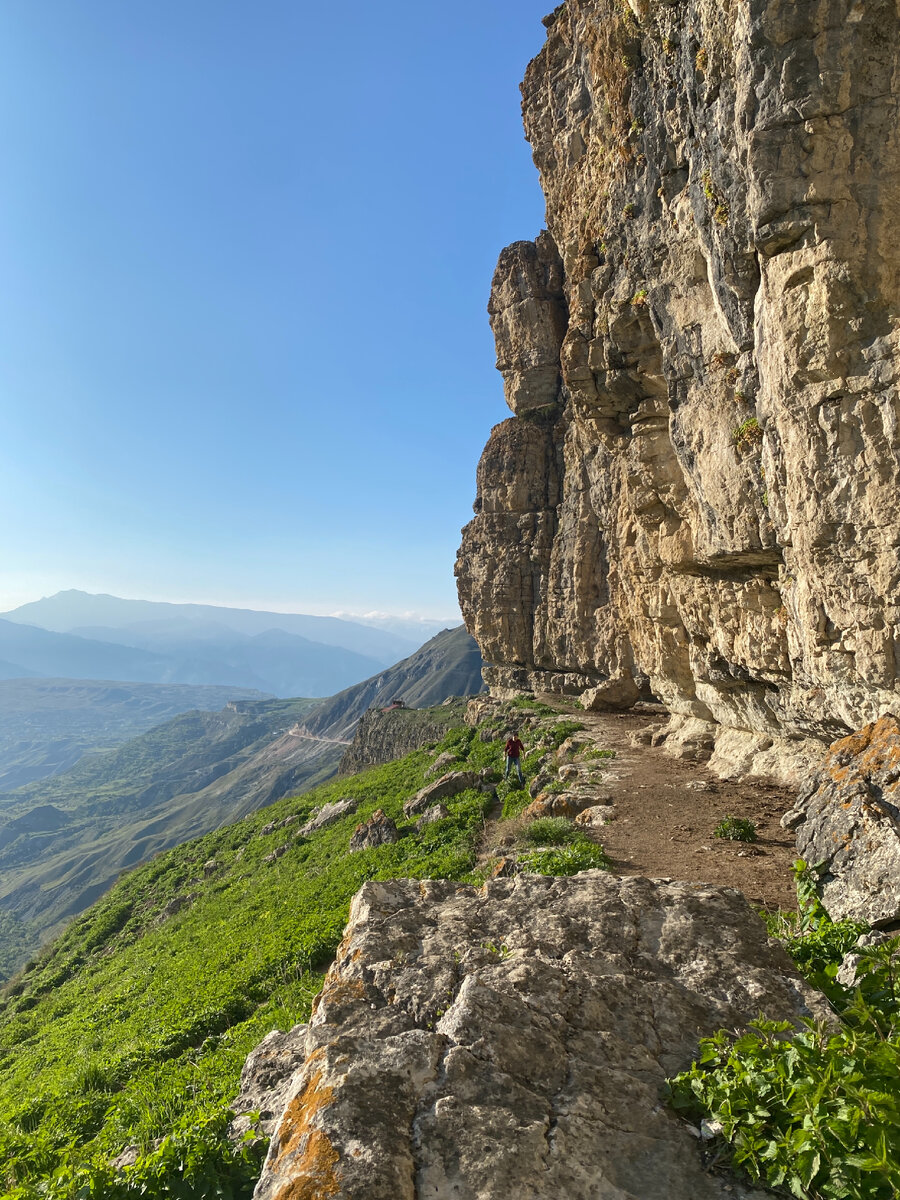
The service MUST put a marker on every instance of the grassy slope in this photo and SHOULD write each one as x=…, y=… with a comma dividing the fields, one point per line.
x=166, y=786
x=129, y=1025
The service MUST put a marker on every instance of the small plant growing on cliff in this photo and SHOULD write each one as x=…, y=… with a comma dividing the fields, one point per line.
x=639, y=299
x=747, y=434
x=736, y=829
x=701, y=60
x=715, y=198
x=629, y=211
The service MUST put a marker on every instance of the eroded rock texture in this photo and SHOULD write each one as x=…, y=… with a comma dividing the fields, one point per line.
x=848, y=819
x=512, y=1041
x=700, y=481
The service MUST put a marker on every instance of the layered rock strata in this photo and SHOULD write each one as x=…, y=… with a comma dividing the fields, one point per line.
x=699, y=483
x=512, y=1040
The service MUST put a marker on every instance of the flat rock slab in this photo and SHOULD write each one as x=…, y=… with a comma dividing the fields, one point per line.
x=444, y=788
x=512, y=1040
x=328, y=814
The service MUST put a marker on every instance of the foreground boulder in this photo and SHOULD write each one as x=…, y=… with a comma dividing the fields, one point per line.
x=848, y=818
x=511, y=1041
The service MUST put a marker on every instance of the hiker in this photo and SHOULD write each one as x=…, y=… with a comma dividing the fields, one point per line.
x=513, y=751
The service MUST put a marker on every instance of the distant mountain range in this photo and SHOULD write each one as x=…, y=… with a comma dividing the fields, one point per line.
x=74, y=611
x=77, y=635
x=65, y=839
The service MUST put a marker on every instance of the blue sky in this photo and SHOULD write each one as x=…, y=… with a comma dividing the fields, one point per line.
x=245, y=251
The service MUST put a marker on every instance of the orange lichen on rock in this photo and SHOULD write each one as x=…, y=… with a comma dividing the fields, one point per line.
x=337, y=990
x=872, y=749
x=316, y=1176
x=303, y=1151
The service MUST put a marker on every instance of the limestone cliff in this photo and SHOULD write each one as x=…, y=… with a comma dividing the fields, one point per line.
x=699, y=483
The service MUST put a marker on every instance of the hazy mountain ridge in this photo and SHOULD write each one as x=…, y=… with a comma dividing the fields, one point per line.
x=447, y=665
x=68, y=610
x=273, y=660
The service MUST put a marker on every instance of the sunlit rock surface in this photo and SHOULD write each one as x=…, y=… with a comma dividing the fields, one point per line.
x=471, y=1044
x=848, y=820
x=700, y=482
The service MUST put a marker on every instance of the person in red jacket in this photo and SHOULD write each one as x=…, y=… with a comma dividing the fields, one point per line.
x=513, y=751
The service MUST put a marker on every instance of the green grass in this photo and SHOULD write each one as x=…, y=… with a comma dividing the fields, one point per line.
x=550, y=831
x=514, y=802
x=580, y=855
x=130, y=1028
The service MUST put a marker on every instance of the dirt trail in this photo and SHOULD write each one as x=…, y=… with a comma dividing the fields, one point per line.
x=666, y=810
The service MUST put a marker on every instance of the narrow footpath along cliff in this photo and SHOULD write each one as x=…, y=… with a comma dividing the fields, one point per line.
x=697, y=493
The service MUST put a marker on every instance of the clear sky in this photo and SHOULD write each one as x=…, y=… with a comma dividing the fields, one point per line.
x=245, y=253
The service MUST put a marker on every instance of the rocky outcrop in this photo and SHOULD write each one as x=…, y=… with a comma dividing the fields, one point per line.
x=847, y=823
x=385, y=734
x=379, y=830
x=326, y=815
x=449, y=785
x=512, y=1040
x=699, y=483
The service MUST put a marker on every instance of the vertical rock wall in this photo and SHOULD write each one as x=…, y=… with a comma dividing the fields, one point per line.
x=699, y=484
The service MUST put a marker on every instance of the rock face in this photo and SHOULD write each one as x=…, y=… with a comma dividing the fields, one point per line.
x=849, y=819
x=511, y=1041
x=699, y=483
x=383, y=736
x=265, y=1082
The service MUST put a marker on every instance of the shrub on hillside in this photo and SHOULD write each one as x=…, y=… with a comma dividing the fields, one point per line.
x=550, y=831
x=814, y=1111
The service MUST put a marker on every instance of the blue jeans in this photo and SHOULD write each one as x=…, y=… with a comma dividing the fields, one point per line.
x=510, y=762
